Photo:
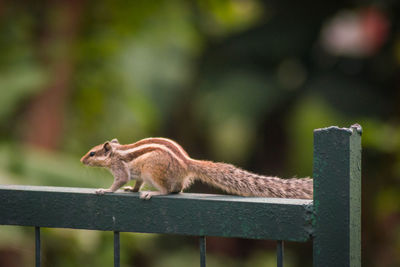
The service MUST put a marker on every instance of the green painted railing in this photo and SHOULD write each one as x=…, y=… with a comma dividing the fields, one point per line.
x=331, y=221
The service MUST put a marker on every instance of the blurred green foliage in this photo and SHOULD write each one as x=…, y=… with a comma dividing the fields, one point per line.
x=237, y=81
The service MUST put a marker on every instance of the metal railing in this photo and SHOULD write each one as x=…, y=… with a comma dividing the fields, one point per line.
x=331, y=220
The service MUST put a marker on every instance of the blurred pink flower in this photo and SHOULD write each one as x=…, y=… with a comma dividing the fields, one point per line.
x=355, y=33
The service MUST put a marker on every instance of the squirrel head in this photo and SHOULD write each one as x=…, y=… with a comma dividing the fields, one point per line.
x=100, y=155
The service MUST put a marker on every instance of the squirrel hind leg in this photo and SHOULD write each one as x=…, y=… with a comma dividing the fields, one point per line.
x=146, y=195
x=175, y=188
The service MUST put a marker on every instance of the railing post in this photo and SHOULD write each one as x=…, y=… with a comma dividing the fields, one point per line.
x=337, y=197
x=202, y=244
x=279, y=253
x=37, y=246
x=116, y=249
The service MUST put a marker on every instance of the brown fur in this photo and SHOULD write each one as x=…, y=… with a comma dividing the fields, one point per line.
x=165, y=165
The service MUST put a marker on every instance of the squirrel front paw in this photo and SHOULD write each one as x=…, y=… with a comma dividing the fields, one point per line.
x=129, y=189
x=101, y=191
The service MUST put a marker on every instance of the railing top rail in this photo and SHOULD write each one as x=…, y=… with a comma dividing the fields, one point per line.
x=186, y=214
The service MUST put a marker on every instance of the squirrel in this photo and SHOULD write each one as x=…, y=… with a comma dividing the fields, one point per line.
x=164, y=164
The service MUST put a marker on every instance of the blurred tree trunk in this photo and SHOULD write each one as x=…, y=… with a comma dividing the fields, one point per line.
x=44, y=118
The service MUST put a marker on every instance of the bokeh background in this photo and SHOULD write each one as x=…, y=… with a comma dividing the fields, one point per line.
x=237, y=81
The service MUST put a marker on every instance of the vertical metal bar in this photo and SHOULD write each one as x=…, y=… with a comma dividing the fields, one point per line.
x=202, y=243
x=37, y=246
x=337, y=197
x=116, y=249
x=279, y=253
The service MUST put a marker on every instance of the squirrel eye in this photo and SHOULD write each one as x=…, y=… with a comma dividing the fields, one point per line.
x=91, y=154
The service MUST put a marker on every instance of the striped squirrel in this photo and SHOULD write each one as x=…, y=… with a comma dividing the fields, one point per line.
x=165, y=165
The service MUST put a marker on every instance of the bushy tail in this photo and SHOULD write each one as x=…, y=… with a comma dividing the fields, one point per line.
x=236, y=181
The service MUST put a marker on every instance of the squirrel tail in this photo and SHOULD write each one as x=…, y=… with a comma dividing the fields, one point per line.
x=234, y=180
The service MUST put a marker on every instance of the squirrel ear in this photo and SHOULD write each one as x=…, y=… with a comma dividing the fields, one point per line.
x=115, y=140
x=107, y=147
